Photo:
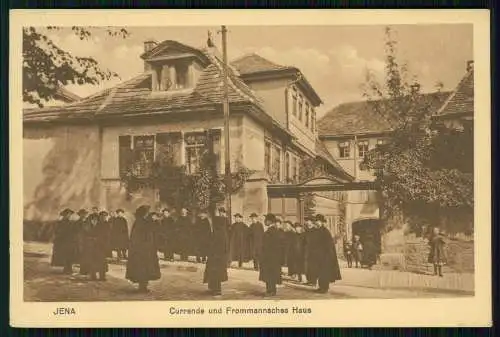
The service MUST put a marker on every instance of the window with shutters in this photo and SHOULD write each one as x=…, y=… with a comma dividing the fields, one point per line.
x=144, y=155
x=362, y=148
x=276, y=160
x=195, y=145
x=294, y=102
x=344, y=150
x=124, y=154
x=267, y=158
x=307, y=115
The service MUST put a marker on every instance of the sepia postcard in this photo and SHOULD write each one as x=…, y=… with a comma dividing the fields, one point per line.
x=230, y=168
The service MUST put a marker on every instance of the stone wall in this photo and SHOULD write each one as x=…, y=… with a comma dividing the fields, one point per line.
x=460, y=256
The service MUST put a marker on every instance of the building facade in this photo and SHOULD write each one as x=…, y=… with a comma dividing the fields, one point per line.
x=76, y=155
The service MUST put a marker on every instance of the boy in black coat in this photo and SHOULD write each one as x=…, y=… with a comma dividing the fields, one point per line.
x=270, y=267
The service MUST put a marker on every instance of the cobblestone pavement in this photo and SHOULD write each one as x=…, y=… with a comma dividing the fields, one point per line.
x=182, y=281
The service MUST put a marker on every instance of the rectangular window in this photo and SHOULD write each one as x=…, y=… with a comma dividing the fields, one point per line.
x=276, y=167
x=313, y=119
x=293, y=169
x=168, y=148
x=362, y=148
x=307, y=115
x=195, y=144
x=267, y=158
x=144, y=155
x=381, y=142
x=344, y=150
x=182, y=76
x=215, y=141
x=288, y=176
x=300, y=108
x=124, y=154
x=294, y=102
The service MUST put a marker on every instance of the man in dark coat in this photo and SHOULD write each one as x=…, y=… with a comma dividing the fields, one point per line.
x=239, y=242
x=282, y=242
x=98, y=246
x=119, y=234
x=184, y=228
x=216, y=268
x=348, y=251
x=312, y=252
x=296, y=261
x=142, y=263
x=289, y=238
x=329, y=270
x=270, y=265
x=168, y=234
x=80, y=227
x=201, y=236
x=256, y=234
x=65, y=242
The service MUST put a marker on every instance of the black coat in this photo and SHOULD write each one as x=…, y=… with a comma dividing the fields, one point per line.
x=119, y=233
x=313, y=253
x=96, y=247
x=201, y=235
x=256, y=235
x=239, y=245
x=216, y=267
x=168, y=234
x=270, y=264
x=329, y=269
x=185, y=242
x=142, y=263
x=297, y=255
x=65, y=246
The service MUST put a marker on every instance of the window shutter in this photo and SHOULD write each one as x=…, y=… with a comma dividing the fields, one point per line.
x=168, y=147
x=124, y=154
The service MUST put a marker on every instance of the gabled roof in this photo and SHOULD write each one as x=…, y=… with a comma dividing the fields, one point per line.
x=254, y=63
x=461, y=101
x=134, y=97
x=358, y=118
x=255, y=67
x=66, y=95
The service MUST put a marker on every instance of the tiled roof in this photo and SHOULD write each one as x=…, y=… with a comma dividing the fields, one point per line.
x=135, y=97
x=253, y=63
x=362, y=118
x=462, y=99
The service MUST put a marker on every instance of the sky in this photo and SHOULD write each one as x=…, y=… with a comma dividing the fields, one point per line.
x=333, y=58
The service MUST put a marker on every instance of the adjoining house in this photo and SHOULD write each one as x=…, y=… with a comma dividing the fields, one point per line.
x=74, y=155
x=350, y=130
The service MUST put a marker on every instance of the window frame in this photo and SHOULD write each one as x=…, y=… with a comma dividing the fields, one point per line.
x=362, y=152
x=344, y=146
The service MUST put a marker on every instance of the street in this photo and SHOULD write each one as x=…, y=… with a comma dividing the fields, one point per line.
x=182, y=281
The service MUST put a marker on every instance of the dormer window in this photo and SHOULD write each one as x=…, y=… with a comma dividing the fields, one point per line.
x=182, y=76
x=172, y=76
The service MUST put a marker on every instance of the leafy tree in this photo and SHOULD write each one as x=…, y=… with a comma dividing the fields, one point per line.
x=423, y=169
x=46, y=66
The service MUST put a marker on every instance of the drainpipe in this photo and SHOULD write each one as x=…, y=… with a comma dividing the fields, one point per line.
x=355, y=158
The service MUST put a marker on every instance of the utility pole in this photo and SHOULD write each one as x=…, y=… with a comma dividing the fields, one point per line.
x=225, y=106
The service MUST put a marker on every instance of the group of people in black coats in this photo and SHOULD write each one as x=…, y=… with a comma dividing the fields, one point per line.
x=89, y=239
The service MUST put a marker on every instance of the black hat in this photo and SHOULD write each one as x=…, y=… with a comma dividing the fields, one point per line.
x=66, y=211
x=141, y=211
x=103, y=213
x=165, y=210
x=222, y=210
x=270, y=217
x=238, y=215
x=320, y=217
x=82, y=212
x=119, y=210
x=254, y=215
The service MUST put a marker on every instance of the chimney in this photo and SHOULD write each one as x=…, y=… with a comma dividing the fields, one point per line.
x=149, y=45
x=470, y=65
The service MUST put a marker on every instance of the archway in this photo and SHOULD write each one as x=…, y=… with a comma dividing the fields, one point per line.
x=369, y=230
